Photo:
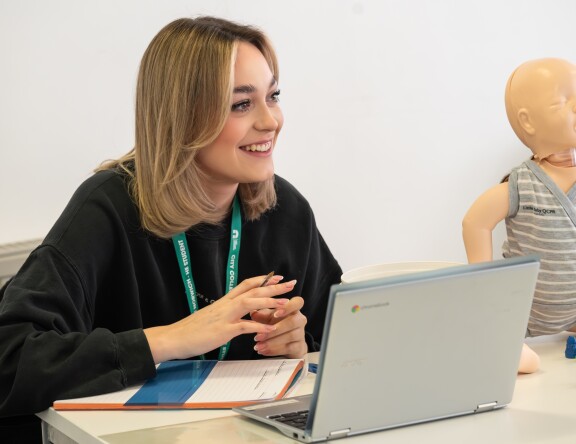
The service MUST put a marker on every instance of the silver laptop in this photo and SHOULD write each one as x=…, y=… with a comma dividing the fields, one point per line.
x=408, y=349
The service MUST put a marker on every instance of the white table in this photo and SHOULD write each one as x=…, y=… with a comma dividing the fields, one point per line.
x=543, y=410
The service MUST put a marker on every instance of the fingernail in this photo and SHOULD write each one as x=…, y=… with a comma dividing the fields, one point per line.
x=290, y=284
x=275, y=279
x=259, y=337
x=260, y=348
x=279, y=313
x=282, y=301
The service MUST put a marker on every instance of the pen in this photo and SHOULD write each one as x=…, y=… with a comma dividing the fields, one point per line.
x=267, y=278
x=264, y=282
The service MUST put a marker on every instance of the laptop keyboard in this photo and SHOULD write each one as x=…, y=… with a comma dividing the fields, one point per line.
x=294, y=419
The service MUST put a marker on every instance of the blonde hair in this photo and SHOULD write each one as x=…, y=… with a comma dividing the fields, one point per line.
x=183, y=99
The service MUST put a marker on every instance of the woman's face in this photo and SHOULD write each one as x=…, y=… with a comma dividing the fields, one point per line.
x=242, y=152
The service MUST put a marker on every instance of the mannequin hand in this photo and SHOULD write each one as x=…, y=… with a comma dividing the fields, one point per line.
x=216, y=324
x=288, y=337
x=529, y=360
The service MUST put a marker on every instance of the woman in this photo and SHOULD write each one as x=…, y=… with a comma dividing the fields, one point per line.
x=142, y=265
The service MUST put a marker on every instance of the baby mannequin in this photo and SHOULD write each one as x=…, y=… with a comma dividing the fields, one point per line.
x=538, y=198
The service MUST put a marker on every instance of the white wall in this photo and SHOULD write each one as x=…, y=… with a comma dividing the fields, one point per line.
x=394, y=109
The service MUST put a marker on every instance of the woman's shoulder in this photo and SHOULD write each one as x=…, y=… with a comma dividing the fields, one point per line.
x=291, y=205
x=98, y=200
x=288, y=194
x=107, y=188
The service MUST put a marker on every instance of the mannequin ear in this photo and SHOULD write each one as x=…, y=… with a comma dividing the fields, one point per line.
x=525, y=122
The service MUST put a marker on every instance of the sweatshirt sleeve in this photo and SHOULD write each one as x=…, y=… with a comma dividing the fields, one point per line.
x=48, y=349
x=322, y=272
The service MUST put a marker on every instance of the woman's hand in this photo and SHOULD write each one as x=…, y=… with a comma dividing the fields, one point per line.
x=218, y=323
x=288, y=338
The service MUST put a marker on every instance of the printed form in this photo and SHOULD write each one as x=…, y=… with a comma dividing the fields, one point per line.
x=201, y=384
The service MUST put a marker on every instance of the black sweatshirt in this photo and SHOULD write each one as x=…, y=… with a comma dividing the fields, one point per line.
x=72, y=319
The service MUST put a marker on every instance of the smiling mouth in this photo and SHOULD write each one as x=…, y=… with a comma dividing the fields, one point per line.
x=260, y=147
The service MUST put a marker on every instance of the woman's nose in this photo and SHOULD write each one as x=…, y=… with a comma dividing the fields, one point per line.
x=268, y=119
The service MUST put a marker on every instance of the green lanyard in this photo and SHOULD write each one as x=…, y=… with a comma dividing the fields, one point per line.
x=183, y=255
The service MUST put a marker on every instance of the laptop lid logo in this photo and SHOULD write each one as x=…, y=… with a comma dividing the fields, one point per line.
x=357, y=308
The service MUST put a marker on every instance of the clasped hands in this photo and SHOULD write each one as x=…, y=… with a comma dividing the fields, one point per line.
x=278, y=323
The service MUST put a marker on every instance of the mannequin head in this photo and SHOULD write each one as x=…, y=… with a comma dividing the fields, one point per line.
x=541, y=105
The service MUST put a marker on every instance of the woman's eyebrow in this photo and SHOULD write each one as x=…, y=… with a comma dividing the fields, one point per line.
x=248, y=89
x=244, y=89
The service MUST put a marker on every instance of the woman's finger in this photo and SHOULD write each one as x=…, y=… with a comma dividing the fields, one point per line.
x=243, y=306
x=295, y=349
x=285, y=347
x=264, y=316
x=252, y=288
x=271, y=317
x=245, y=286
x=288, y=339
x=293, y=322
x=296, y=303
x=250, y=327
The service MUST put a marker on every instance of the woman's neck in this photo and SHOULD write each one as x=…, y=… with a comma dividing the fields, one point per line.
x=222, y=195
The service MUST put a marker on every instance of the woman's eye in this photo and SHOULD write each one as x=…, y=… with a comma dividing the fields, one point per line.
x=275, y=96
x=242, y=106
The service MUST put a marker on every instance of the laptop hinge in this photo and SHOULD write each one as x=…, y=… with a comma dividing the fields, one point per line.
x=339, y=433
x=485, y=407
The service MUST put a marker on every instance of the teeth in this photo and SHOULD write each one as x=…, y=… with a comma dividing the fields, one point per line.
x=264, y=147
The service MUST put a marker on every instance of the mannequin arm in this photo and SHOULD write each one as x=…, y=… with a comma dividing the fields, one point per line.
x=479, y=222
